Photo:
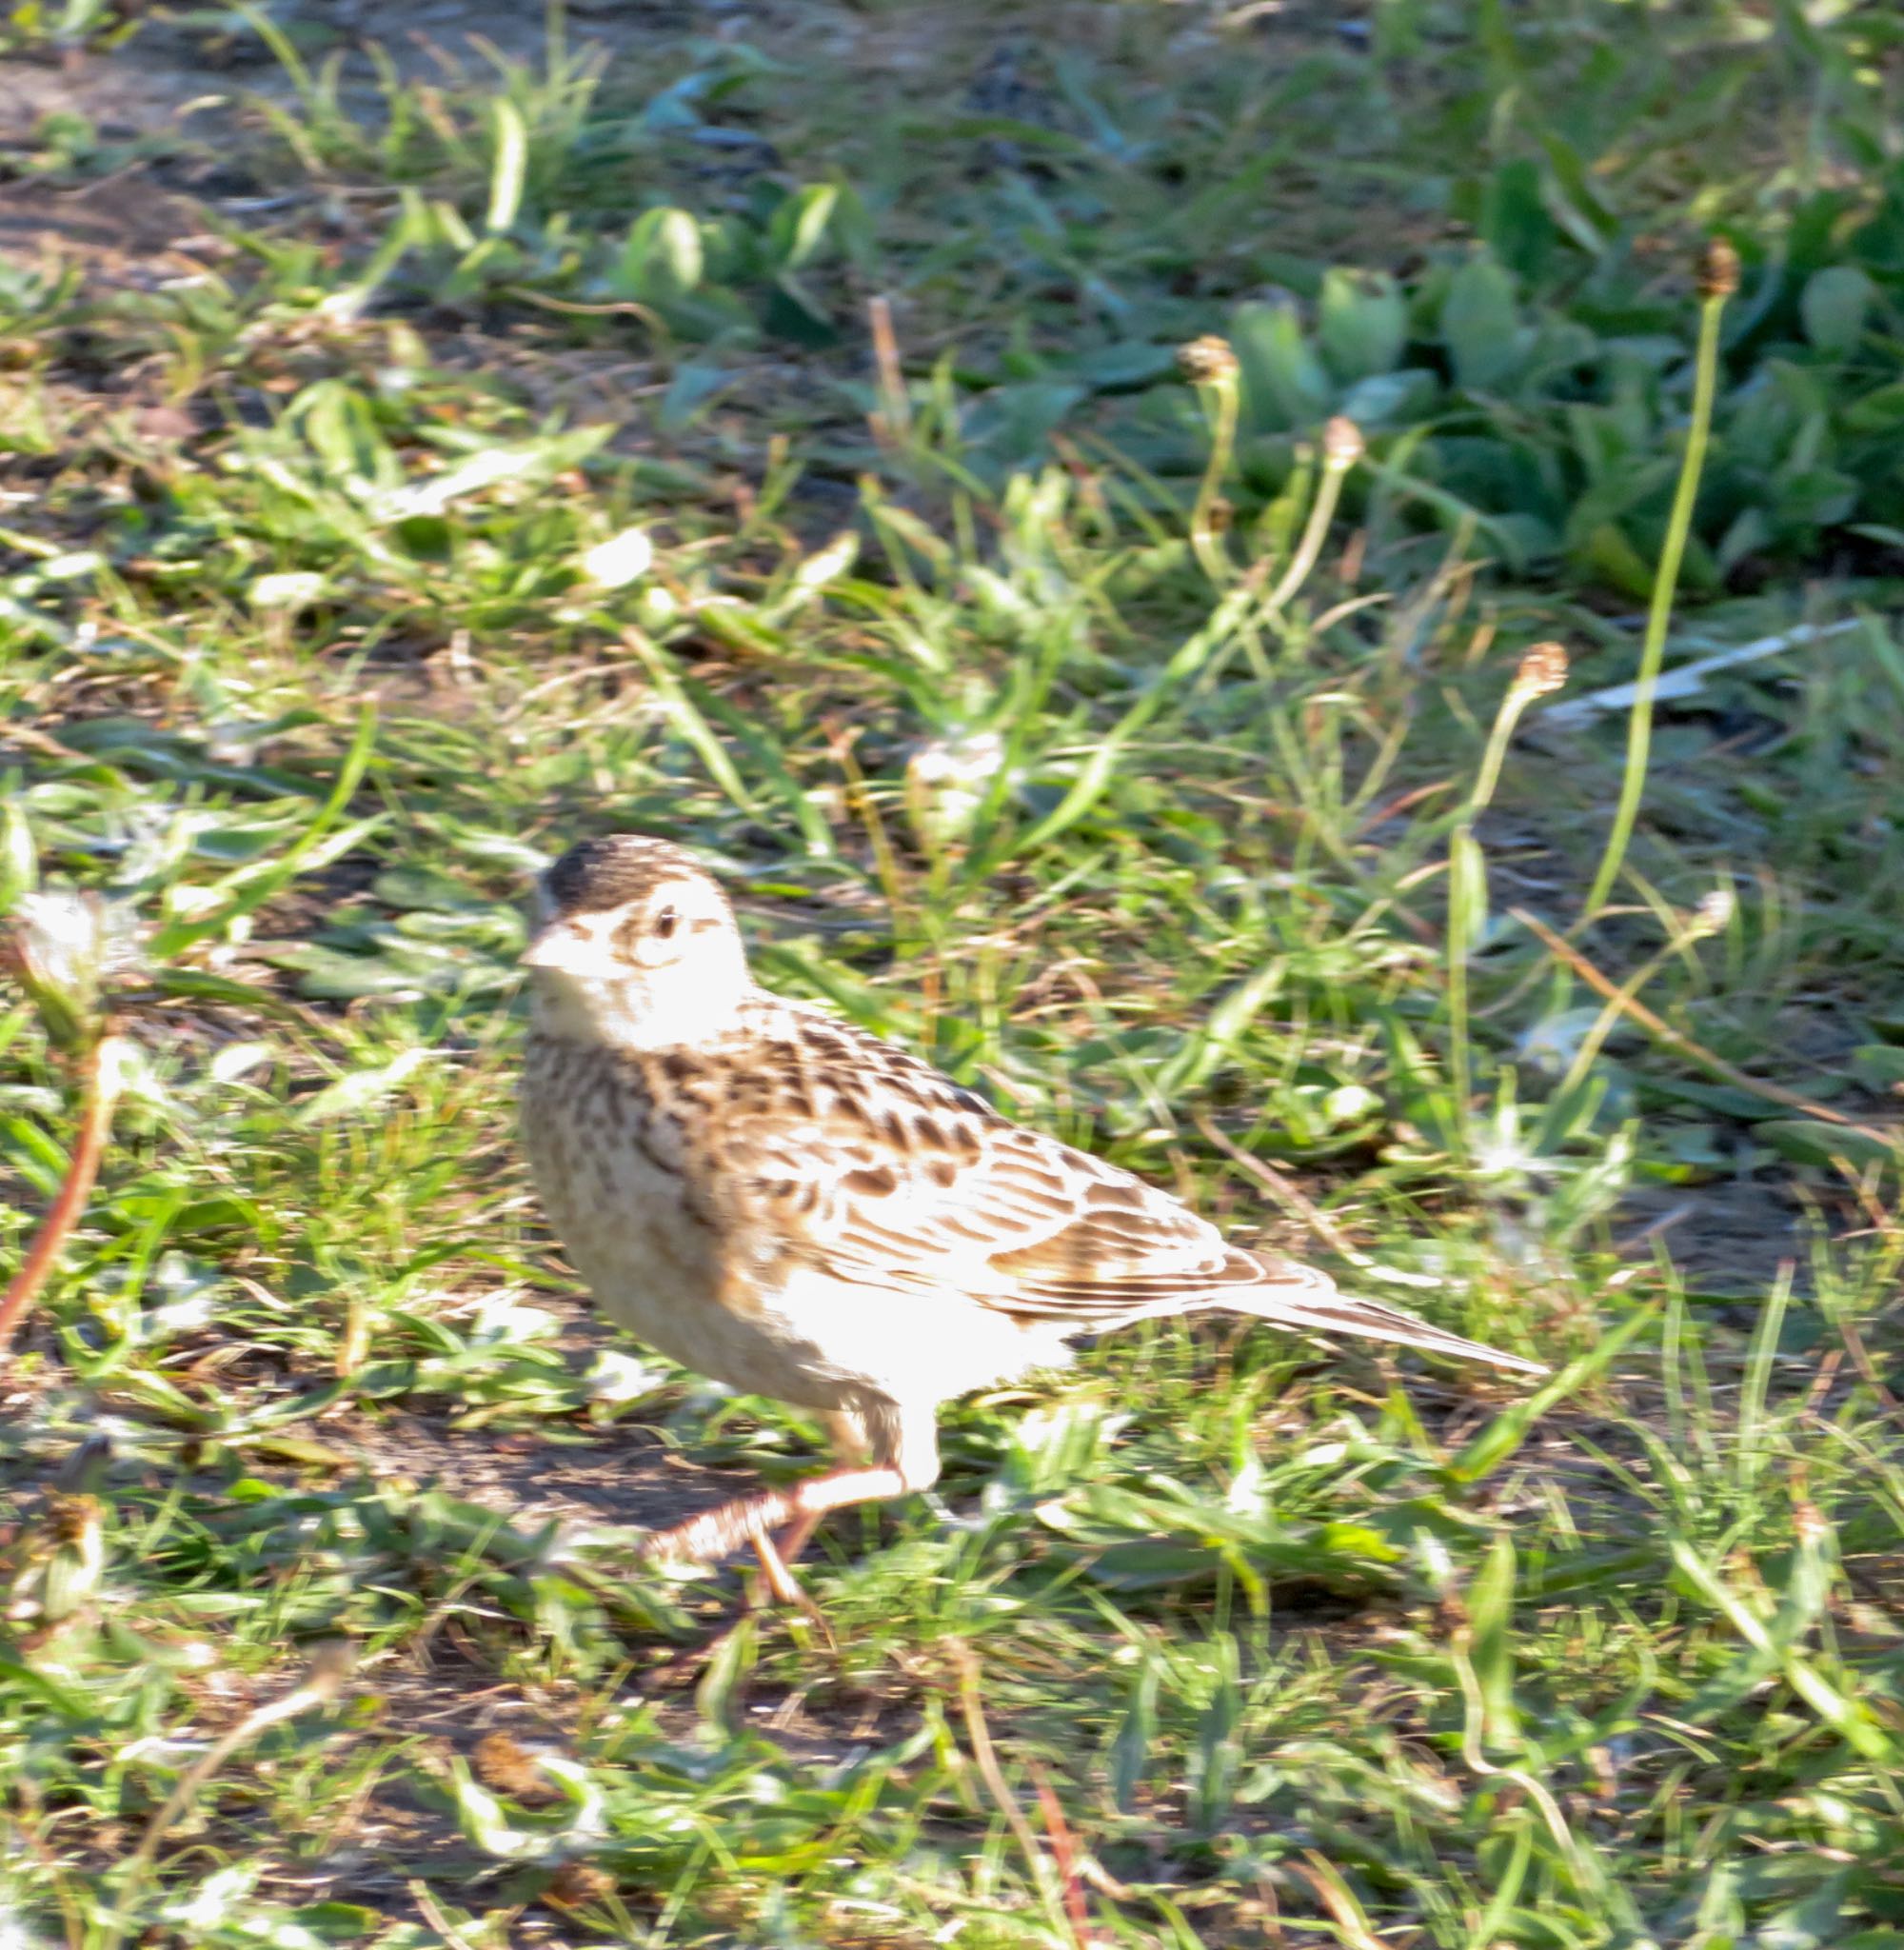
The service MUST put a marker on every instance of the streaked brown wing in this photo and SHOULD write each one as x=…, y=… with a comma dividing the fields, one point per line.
x=870, y=1163
x=1123, y=1248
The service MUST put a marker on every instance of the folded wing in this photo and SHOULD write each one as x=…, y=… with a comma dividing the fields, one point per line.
x=886, y=1174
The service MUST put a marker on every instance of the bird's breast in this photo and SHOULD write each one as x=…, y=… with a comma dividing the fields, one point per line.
x=625, y=1179
x=614, y=1172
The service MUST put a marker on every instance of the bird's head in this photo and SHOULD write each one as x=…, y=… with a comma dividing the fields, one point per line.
x=635, y=946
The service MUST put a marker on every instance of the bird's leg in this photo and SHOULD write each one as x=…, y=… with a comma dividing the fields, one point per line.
x=794, y=1539
x=902, y=1436
x=852, y=1447
x=718, y=1533
x=781, y=1584
x=779, y=1580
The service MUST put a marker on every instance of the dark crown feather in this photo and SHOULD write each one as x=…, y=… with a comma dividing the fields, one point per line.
x=612, y=870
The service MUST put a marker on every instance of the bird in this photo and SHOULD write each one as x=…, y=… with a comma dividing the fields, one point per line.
x=796, y=1208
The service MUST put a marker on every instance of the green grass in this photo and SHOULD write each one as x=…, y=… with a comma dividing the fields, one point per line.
x=538, y=467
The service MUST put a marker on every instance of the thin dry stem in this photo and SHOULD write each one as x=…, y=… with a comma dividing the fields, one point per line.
x=1336, y=461
x=972, y=1707
x=1063, y=1849
x=101, y=1076
x=892, y=420
x=329, y=1669
x=1665, y=1032
x=1284, y=1193
x=1334, y=1896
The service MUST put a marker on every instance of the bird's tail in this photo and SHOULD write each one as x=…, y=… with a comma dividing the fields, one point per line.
x=1308, y=1300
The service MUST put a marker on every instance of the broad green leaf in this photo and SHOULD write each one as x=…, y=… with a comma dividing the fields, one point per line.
x=1284, y=384
x=1480, y=326
x=801, y=223
x=662, y=259
x=1362, y=323
x=1515, y=219
x=1835, y=305
x=1879, y=411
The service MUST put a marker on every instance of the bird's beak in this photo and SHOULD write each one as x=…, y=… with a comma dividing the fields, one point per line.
x=558, y=945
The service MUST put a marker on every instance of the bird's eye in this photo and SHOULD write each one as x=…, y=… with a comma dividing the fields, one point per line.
x=666, y=923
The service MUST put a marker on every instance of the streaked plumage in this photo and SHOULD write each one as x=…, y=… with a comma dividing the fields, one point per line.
x=798, y=1209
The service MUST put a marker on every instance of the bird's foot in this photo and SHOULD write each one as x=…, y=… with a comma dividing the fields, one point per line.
x=781, y=1583
x=718, y=1533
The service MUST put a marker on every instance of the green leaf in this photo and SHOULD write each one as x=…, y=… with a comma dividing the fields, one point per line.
x=254, y=889
x=1125, y=366
x=198, y=985
x=1810, y=1140
x=1480, y=324
x=1204, y=1051
x=800, y=224
x=1130, y=1751
x=662, y=259
x=1284, y=384
x=1514, y=218
x=1467, y=894
x=333, y=1922
x=422, y=889
x=326, y=975
x=341, y=425
x=1391, y=399
x=1611, y=557
x=510, y=167
x=1881, y=412
x=719, y=1692
x=19, y=857
x=489, y=466
x=480, y=1816
x=1218, y=1751
x=1490, y=1602
x=1575, y=198
x=1879, y=1066
x=68, y=1704
x=792, y=312
x=361, y=1091
x=1834, y=305
x=1362, y=323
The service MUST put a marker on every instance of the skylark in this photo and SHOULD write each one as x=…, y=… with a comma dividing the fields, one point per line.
x=795, y=1208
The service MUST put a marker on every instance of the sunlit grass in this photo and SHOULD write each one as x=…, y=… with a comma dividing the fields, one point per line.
x=1176, y=776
